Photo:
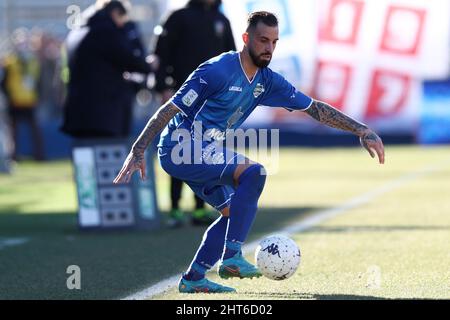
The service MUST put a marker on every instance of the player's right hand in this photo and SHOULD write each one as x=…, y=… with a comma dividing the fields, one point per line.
x=132, y=163
x=373, y=144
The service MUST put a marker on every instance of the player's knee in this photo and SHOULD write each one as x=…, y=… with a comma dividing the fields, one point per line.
x=255, y=178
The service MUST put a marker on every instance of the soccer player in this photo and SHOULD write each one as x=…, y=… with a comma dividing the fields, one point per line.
x=221, y=93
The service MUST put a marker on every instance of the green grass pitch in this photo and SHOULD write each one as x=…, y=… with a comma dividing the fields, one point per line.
x=394, y=245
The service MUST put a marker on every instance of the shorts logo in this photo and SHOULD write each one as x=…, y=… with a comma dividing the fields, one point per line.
x=258, y=90
x=190, y=97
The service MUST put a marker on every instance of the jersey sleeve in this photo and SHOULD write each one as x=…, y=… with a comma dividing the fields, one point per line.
x=280, y=93
x=198, y=87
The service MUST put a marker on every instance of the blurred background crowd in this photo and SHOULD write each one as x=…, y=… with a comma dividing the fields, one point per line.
x=386, y=63
x=35, y=71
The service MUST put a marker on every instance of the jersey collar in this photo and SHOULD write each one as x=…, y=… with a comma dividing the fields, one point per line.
x=242, y=68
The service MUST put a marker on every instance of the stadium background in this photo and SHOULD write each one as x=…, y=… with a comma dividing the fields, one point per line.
x=386, y=62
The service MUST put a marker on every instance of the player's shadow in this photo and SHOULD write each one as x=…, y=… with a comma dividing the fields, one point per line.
x=13, y=220
x=307, y=296
x=152, y=255
x=345, y=297
x=273, y=219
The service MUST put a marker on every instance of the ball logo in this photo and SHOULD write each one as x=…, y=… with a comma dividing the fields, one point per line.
x=272, y=249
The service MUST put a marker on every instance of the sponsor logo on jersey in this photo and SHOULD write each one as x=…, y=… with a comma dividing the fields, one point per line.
x=189, y=98
x=235, y=117
x=258, y=90
x=235, y=88
x=215, y=134
x=212, y=156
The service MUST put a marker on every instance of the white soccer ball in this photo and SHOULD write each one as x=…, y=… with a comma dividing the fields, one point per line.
x=277, y=257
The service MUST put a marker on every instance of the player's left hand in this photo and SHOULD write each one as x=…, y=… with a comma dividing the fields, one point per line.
x=132, y=163
x=373, y=144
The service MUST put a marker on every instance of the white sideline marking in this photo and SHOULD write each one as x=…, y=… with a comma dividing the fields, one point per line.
x=10, y=242
x=305, y=224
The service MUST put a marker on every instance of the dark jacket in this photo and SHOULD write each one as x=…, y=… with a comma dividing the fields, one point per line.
x=131, y=87
x=190, y=36
x=97, y=96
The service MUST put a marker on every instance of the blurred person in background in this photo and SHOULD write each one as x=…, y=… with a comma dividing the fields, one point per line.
x=20, y=83
x=6, y=143
x=134, y=81
x=99, y=98
x=51, y=88
x=81, y=20
x=187, y=38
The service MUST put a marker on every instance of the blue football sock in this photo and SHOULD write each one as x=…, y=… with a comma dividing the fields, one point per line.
x=243, y=207
x=231, y=248
x=196, y=272
x=210, y=250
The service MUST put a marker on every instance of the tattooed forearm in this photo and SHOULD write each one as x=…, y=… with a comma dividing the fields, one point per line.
x=334, y=118
x=153, y=127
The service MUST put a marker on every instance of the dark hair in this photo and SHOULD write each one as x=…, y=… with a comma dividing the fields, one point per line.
x=115, y=5
x=268, y=18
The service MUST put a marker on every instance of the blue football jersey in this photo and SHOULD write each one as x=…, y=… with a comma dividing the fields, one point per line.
x=219, y=96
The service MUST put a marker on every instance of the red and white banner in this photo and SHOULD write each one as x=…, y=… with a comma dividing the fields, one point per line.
x=383, y=50
x=365, y=57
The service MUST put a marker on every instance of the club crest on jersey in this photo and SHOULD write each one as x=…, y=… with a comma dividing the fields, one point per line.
x=189, y=98
x=258, y=90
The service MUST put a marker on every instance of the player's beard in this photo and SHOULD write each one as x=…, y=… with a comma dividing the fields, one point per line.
x=257, y=61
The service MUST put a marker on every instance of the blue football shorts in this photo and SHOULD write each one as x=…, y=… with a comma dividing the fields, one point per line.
x=210, y=176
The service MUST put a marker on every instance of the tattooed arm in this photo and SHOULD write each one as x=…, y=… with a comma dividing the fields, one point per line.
x=334, y=118
x=135, y=160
